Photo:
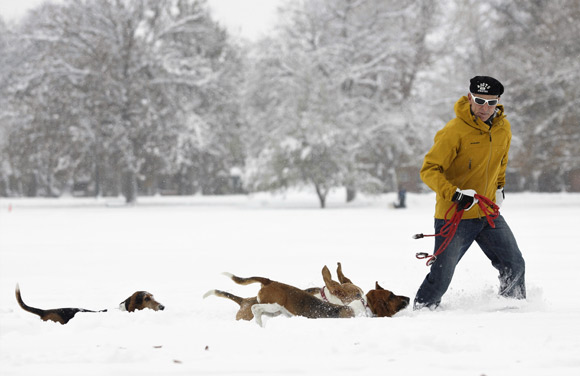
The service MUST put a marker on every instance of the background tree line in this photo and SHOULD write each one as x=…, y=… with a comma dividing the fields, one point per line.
x=142, y=97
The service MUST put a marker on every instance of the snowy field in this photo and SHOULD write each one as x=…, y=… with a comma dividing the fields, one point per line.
x=95, y=253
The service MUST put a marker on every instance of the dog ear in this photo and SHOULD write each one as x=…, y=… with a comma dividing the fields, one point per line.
x=341, y=278
x=377, y=286
x=124, y=305
x=326, y=274
x=139, y=298
x=334, y=287
x=135, y=301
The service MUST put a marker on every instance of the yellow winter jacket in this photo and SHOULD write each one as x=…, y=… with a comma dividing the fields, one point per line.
x=467, y=154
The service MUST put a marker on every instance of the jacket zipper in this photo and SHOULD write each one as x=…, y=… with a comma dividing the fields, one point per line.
x=488, y=161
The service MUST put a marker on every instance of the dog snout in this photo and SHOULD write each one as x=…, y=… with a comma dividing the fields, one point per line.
x=161, y=307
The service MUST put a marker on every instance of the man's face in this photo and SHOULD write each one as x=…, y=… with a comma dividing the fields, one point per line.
x=482, y=111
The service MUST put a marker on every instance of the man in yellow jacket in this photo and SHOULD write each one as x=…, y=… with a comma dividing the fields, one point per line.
x=469, y=156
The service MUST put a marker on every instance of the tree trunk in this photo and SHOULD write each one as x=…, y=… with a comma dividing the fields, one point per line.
x=322, y=193
x=350, y=194
x=130, y=187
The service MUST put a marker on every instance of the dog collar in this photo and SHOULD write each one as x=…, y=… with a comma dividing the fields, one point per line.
x=323, y=295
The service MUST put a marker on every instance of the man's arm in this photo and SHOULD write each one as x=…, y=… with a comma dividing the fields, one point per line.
x=436, y=162
x=503, y=166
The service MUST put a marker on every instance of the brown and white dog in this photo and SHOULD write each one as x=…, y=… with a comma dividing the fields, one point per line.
x=343, y=293
x=60, y=315
x=276, y=298
x=246, y=304
x=140, y=300
x=376, y=303
x=335, y=299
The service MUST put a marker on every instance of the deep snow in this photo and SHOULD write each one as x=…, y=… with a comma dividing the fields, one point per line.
x=94, y=253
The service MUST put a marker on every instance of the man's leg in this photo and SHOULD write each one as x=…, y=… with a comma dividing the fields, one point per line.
x=437, y=281
x=500, y=246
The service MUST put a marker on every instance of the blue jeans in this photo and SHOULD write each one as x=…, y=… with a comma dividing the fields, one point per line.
x=498, y=244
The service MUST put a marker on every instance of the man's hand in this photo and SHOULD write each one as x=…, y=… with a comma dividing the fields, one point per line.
x=499, y=196
x=464, y=198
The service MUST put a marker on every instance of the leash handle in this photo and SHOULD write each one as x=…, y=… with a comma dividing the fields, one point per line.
x=488, y=207
x=425, y=255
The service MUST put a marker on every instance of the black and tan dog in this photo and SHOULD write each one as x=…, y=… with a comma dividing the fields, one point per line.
x=138, y=301
x=60, y=315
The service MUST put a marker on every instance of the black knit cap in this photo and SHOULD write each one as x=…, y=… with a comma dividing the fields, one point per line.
x=485, y=85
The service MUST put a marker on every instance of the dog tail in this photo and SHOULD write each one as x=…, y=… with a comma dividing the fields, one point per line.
x=248, y=281
x=224, y=294
x=36, y=311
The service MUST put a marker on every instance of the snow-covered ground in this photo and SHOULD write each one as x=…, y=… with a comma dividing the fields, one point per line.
x=94, y=253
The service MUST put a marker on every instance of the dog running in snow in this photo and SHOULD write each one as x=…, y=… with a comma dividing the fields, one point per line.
x=60, y=315
x=137, y=301
x=140, y=300
x=335, y=299
x=333, y=294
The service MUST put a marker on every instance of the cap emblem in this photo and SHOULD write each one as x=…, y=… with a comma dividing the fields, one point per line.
x=483, y=87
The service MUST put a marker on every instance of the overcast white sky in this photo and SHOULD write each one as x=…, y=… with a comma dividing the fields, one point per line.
x=250, y=18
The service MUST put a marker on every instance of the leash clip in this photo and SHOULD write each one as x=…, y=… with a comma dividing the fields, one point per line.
x=418, y=236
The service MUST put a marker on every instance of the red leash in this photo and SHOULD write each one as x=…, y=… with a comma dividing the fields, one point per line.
x=488, y=207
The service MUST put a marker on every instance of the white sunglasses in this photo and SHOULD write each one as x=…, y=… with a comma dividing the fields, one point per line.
x=482, y=101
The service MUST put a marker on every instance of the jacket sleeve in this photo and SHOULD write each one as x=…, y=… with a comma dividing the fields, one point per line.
x=438, y=160
x=503, y=166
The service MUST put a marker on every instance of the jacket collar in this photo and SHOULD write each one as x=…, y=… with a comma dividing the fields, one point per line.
x=463, y=112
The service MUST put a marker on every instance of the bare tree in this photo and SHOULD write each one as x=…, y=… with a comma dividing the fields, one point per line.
x=126, y=74
x=329, y=86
